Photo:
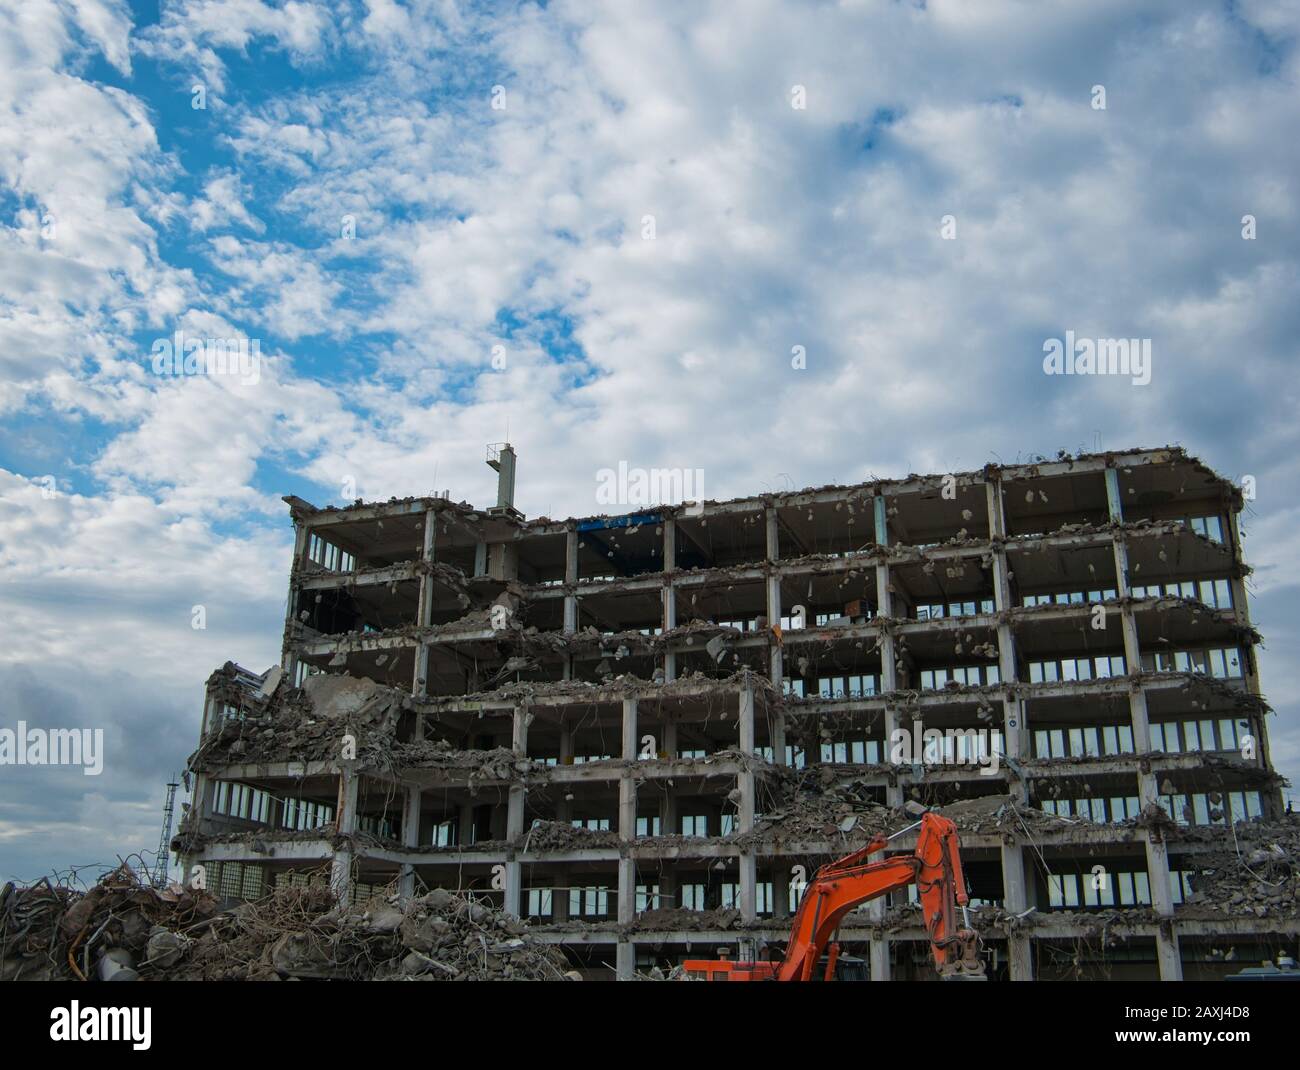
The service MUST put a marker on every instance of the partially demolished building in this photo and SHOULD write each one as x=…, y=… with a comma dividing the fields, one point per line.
x=642, y=733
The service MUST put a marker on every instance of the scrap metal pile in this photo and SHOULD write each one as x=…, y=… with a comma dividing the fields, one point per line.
x=122, y=929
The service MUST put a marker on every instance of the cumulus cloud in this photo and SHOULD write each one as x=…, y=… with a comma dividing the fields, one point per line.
x=627, y=202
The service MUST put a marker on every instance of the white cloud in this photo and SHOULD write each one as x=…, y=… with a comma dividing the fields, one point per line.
x=774, y=227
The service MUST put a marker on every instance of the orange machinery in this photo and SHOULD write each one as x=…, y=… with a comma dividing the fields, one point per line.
x=837, y=888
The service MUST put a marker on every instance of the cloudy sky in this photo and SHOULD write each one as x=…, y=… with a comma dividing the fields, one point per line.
x=629, y=201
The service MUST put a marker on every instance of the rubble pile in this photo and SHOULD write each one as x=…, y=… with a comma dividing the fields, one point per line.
x=1255, y=874
x=616, y=646
x=816, y=804
x=311, y=723
x=1004, y=815
x=122, y=929
x=624, y=683
x=816, y=817
x=561, y=836
x=499, y=763
x=52, y=932
x=678, y=919
x=307, y=723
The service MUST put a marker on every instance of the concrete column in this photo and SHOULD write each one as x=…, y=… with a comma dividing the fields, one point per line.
x=564, y=808
x=1114, y=502
x=1008, y=664
x=777, y=728
x=626, y=808
x=884, y=598
x=629, y=744
x=410, y=838
x=667, y=889
x=514, y=868
x=519, y=730
x=669, y=594
x=289, y=660
x=745, y=723
x=626, y=834
x=1014, y=732
x=1168, y=954
x=772, y=534
x=893, y=790
x=1271, y=798
x=774, y=620
x=514, y=832
x=1141, y=725
x=780, y=888
x=341, y=881
x=1148, y=791
x=1015, y=901
x=878, y=948
x=745, y=817
x=1015, y=744
x=888, y=668
x=748, y=885
x=668, y=800
x=503, y=560
x=349, y=790
x=424, y=607
x=209, y=717
x=411, y=817
x=199, y=806
x=997, y=516
x=515, y=813
x=625, y=960
x=570, y=582
x=668, y=814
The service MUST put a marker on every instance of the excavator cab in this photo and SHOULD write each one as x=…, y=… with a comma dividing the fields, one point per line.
x=832, y=966
x=851, y=968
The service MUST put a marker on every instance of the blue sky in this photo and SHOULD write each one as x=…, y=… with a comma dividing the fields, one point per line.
x=126, y=214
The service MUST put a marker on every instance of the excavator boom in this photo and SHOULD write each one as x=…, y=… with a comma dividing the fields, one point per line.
x=842, y=886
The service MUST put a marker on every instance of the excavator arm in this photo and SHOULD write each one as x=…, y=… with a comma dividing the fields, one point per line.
x=841, y=886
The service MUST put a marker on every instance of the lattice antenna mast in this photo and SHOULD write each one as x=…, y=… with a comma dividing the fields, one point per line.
x=159, y=878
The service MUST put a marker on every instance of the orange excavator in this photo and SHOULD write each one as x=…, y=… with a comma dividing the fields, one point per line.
x=839, y=887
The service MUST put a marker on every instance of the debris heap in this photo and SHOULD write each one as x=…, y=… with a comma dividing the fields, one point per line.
x=1256, y=875
x=122, y=929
